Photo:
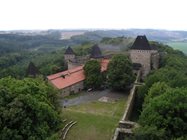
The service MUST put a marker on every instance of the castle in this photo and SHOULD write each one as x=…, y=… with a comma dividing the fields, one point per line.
x=72, y=80
x=141, y=53
x=143, y=56
x=73, y=61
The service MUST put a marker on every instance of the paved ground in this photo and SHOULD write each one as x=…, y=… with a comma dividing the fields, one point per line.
x=92, y=96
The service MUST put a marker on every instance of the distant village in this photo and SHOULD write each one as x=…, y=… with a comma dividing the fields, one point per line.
x=143, y=56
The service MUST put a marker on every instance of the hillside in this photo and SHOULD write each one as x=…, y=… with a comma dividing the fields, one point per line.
x=157, y=35
x=45, y=48
x=179, y=45
x=96, y=35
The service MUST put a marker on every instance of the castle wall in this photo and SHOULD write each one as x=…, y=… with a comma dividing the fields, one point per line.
x=74, y=61
x=72, y=65
x=70, y=57
x=75, y=88
x=155, y=60
x=144, y=58
x=82, y=59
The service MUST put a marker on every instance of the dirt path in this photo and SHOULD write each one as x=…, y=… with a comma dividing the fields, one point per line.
x=91, y=96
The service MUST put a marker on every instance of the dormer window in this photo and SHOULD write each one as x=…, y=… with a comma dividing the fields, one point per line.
x=63, y=76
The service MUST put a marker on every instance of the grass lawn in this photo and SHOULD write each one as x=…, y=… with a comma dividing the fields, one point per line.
x=182, y=46
x=95, y=120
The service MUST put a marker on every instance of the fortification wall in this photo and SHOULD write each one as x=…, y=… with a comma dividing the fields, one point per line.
x=155, y=60
x=125, y=126
x=70, y=57
x=130, y=104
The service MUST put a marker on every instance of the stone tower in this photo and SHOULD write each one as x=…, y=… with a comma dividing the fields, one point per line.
x=70, y=58
x=69, y=54
x=142, y=53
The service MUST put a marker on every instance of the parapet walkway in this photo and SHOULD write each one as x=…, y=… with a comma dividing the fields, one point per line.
x=126, y=126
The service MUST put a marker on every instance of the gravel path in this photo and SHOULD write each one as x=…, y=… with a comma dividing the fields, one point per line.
x=91, y=96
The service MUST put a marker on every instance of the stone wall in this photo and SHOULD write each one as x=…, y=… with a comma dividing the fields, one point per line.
x=82, y=59
x=75, y=88
x=144, y=58
x=125, y=126
x=149, y=59
x=130, y=104
x=74, y=61
x=68, y=57
x=72, y=65
x=155, y=60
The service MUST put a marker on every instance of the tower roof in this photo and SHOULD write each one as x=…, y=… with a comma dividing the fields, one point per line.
x=95, y=52
x=141, y=43
x=69, y=51
x=32, y=70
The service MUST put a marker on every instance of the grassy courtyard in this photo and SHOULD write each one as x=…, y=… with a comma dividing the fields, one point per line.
x=95, y=120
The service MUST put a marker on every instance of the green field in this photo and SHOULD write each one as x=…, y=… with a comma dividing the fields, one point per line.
x=182, y=46
x=95, y=120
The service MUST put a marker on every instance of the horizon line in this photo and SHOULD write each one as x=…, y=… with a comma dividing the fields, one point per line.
x=90, y=29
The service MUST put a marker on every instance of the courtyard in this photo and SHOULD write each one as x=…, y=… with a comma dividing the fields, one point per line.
x=97, y=114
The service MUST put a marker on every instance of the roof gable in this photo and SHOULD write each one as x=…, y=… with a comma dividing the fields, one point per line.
x=141, y=43
x=69, y=51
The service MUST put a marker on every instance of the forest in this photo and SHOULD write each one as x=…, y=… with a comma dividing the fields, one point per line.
x=46, y=52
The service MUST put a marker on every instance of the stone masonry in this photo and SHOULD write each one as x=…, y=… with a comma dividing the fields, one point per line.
x=142, y=53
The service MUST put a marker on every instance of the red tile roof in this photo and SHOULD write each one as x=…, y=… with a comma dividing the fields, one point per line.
x=72, y=76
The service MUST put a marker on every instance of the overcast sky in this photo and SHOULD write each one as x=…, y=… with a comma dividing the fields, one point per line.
x=75, y=14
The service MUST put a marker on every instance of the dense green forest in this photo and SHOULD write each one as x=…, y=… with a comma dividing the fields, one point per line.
x=46, y=52
x=163, y=99
x=15, y=64
x=16, y=51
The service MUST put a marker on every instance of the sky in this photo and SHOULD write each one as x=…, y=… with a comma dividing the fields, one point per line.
x=93, y=14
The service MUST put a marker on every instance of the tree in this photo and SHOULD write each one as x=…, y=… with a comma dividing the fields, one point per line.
x=149, y=133
x=167, y=113
x=28, y=109
x=157, y=89
x=172, y=77
x=92, y=70
x=120, y=74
